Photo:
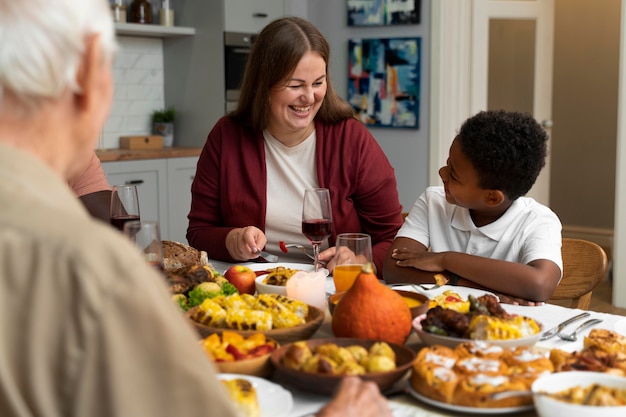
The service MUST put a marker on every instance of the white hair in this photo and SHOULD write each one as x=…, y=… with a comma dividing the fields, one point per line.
x=42, y=42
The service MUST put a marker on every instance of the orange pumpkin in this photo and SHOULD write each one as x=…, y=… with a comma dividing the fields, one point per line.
x=371, y=310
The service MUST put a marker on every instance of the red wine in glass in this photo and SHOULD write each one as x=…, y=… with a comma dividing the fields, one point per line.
x=316, y=230
x=317, y=218
x=120, y=221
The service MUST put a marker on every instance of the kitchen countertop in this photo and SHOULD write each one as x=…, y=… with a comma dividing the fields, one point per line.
x=113, y=155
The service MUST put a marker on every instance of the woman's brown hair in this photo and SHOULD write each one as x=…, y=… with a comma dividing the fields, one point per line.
x=274, y=57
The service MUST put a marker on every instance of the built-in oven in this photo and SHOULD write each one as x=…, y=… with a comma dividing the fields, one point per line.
x=237, y=47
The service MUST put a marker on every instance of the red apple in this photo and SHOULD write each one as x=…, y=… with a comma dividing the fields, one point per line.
x=242, y=278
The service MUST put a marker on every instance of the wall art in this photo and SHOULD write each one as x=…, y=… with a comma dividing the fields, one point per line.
x=383, y=12
x=384, y=81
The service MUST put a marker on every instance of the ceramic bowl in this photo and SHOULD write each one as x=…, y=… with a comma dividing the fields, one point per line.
x=420, y=300
x=430, y=339
x=326, y=384
x=302, y=332
x=548, y=406
x=262, y=288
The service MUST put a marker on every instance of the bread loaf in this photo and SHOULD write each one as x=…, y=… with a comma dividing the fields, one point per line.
x=177, y=255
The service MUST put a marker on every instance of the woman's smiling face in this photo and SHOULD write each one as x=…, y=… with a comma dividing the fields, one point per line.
x=295, y=102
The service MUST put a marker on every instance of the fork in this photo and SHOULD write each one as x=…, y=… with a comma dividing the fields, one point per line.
x=572, y=336
x=284, y=247
x=414, y=285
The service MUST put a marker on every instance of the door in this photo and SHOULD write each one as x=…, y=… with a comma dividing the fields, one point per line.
x=512, y=44
x=507, y=47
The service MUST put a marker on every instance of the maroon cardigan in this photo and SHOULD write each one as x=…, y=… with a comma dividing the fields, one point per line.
x=229, y=189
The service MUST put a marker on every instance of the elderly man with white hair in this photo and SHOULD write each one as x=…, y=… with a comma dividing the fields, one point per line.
x=87, y=326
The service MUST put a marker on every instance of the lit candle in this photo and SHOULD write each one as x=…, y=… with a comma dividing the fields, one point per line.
x=308, y=287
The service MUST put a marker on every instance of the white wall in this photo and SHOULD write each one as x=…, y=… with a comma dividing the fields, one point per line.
x=407, y=149
x=138, y=79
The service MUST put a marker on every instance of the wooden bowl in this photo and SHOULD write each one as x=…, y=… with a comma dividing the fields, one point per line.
x=260, y=366
x=283, y=336
x=326, y=384
x=410, y=297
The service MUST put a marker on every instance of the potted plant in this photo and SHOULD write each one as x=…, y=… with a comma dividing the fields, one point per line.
x=163, y=124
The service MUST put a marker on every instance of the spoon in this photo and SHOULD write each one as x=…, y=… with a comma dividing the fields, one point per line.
x=572, y=336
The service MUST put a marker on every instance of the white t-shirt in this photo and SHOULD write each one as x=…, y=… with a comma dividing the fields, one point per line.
x=290, y=171
x=527, y=231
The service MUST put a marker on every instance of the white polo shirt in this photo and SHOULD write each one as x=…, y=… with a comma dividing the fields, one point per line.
x=527, y=231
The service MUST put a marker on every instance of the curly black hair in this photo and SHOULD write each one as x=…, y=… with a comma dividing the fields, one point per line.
x=507, y=150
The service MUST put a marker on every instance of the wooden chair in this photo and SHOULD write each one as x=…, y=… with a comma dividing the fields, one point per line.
x=584, y=266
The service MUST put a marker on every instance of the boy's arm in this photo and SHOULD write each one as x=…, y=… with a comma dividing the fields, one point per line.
x=393, y=273
x=535, y=281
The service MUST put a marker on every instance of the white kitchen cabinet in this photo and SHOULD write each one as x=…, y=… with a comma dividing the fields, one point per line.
x=180, y=174
x=150, y=176
x=250, y=16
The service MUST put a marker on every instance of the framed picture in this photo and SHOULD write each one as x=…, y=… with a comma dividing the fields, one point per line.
x=384, y=81
x=383, y=12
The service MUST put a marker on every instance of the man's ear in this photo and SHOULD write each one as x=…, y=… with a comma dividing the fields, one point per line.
x=88, y=72
x=494, y=198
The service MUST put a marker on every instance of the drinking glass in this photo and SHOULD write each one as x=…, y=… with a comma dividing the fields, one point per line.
x=353, y=250
x=147, y=237
x=124, y=205
x=317, y=219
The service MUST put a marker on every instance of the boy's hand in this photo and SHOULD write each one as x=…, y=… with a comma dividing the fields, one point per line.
x=509, y=299
x=419, y=259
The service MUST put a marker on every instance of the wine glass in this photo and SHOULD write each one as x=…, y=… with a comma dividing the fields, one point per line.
x=124, y=205
x=317, y=219
x=147, y=237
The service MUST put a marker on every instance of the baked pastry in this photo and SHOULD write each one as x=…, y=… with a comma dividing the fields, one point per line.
x=244, y=395
x=433, y=375
x=477, y=390
x=177, y=255
x=469, y=374
x=478, y=348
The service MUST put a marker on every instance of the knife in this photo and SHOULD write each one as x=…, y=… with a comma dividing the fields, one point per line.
x=553, y=331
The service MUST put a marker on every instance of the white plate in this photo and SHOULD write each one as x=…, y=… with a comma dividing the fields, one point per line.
x=464, y=292
x=468, y=410
x=620, y=327
x=274, y=400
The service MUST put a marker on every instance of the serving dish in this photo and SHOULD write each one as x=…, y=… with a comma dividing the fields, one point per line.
x=430, y=339
x=274, y=400
x=255, y=366
x=561, y=381
x=464, y=410
x=283, y=336
x=326, y=384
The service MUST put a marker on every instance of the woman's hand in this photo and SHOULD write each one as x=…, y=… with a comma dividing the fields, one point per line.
x=356, y=398
x=244, y=243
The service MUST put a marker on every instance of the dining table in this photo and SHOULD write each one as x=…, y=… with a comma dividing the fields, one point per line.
x=402, y=403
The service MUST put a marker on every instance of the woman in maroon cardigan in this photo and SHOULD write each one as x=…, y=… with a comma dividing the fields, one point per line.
x=290, y=131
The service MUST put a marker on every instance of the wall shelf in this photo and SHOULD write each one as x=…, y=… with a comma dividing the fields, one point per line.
x=152, y=31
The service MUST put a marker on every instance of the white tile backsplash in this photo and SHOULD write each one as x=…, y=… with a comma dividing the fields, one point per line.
x=138, y=78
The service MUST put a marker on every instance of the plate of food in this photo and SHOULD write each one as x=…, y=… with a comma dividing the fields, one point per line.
x=267, y=398
x=457, y=320
x=465, y=378
x=319, y=365
x=466, y=409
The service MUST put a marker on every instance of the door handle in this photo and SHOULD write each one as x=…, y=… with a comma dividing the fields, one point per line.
x=547, y=123
x=134, y=182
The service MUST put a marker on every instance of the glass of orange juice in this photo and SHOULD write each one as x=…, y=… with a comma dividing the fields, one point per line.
x=353, y=250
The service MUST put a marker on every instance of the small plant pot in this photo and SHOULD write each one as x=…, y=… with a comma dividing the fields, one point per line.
x=167, y=131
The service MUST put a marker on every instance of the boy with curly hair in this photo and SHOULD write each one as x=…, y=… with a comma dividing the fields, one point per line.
x=478, y=229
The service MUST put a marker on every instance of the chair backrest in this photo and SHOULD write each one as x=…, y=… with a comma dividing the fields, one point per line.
x=584, y=266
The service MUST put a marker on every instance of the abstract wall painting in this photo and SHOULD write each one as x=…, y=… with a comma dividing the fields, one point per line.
x=383, y=12
x=384, y=81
